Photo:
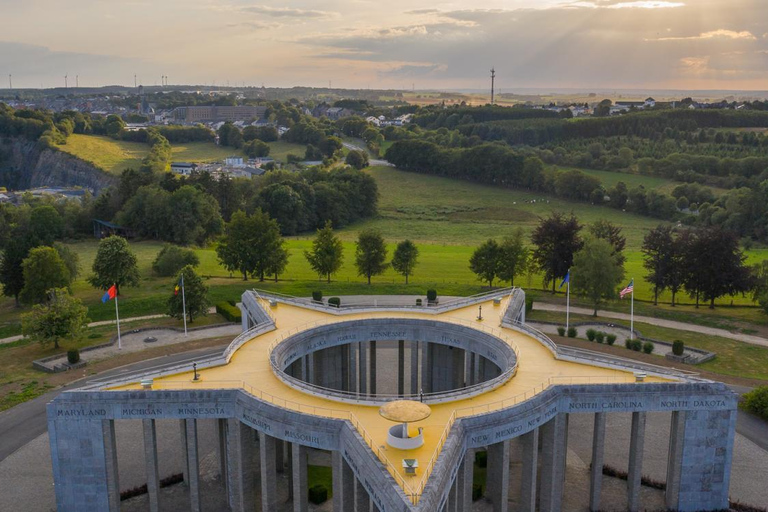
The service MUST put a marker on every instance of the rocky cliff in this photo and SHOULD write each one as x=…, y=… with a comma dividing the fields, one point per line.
x=23, y=165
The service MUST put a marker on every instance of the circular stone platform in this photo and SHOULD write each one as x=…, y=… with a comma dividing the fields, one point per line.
x=405, y=411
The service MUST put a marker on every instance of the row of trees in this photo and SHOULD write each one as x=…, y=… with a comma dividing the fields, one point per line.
x=705, y=263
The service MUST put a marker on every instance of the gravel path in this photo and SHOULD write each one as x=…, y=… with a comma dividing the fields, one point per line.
x=670, y=324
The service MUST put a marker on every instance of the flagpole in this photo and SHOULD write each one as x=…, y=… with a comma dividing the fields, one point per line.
x=184, y=303
x=632, y=313
x=117, y=315
x=568, y=306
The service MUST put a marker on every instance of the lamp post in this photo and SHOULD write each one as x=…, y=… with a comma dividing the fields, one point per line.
x=480, y=312
x=194, y=369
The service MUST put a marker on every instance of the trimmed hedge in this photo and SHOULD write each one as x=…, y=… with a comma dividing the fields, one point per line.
x=591, y=333
x=599, y=336
x=648, y=347
x=431, y=295
x=334, y=301
x=318, y=494
x=571, y=332
x=73, y=356
x=756, y=402
x=561, y=331
x=610, y=338
x=317, y=296
x=418, y=302
x=678, y=347
x=230, y=312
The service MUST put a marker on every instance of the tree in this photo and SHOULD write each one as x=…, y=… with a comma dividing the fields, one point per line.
x=485, y=261
x=405, y=258
x=611, y=233
x=43, y=270
x=357, y=159
x=370, y=254
x=327, y=254
x=252, y=245
x=597, y=270
x=115, y=263
x=46, y=225
x=715, y=266
x=256, y=148
x=61, y=318
x=172, y=258
x=514, y=257
x=658, y=252
x=556, y=239
x=195, y=296
x=70, y=259
x=11, y=271
x=678, y=264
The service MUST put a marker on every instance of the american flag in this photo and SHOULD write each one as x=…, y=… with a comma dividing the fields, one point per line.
x=629, y=289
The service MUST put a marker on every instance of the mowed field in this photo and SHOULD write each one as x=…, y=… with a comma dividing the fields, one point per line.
x=114, y=156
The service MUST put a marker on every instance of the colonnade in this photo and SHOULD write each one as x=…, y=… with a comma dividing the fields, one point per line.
x=422, y=367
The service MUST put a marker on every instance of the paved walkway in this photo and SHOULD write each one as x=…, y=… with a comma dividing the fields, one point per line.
x=11, y=339
x=670, y=324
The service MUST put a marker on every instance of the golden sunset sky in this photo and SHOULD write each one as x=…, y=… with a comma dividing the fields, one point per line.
x=686, y=44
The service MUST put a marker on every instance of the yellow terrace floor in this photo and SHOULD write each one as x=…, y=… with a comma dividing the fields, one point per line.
x=250, y=369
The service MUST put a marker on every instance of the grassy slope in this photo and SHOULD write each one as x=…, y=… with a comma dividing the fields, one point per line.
x=114, y=156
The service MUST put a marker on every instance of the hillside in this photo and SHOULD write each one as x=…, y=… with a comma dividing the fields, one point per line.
x=114, y=156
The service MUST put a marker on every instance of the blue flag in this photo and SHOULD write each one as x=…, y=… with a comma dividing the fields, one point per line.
x=566, y=279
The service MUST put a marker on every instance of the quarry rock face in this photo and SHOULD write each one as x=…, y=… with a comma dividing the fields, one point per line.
x=23, y=165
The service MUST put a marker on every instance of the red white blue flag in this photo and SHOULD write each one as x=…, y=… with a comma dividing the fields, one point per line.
x=629, y=289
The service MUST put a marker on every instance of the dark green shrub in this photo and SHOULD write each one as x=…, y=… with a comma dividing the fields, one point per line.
x=477, y=492
x=334, y=301
x=418, y=302
x=431, y=295
x=229, y=312
x=678, y=347
x=571, y=332
x=317, y=296
x=756, y=402
x=637, y=345
x=628, y=343
x=73, y=356
x=591, y=333
x=481, y=459
x=599, y=336
x=528, y=304
x=610, y=338
x=561, y=331
x=173, y=258
x=318, y=494
x=648, y=347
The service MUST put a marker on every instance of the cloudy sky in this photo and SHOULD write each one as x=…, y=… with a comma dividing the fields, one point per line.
x=653, y=44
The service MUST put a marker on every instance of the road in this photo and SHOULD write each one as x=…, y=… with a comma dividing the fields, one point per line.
x=671, y=324
x=23, y=423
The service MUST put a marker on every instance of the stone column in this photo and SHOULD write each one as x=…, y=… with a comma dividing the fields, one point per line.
x=553, y=454
x=426, y=367
x=304, y=371
x=363, y=368
x=635, y=471
x=598, y=459
x=352, y=361
x=362, y=500
x=194, y=465
x=675, y=459
x=268, y=474
x=185, y=462
x=150, y=461
x=498, y=476
x=299, y=470
x=708, y=436
x=288, y=453
x=401, y=367
x=344, y=359
x=279, y=455
x=110, y=459
x=476, y=361
x=414, y=368
x=221, y=448
x=464, y=481
x=530, y=448
x=458, y=368
x=241, y=477
x=467, y=368
x=373, y=367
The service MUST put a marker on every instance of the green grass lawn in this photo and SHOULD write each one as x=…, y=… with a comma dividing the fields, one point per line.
x=734, y=358
x=114, y=156
x=610, y=179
